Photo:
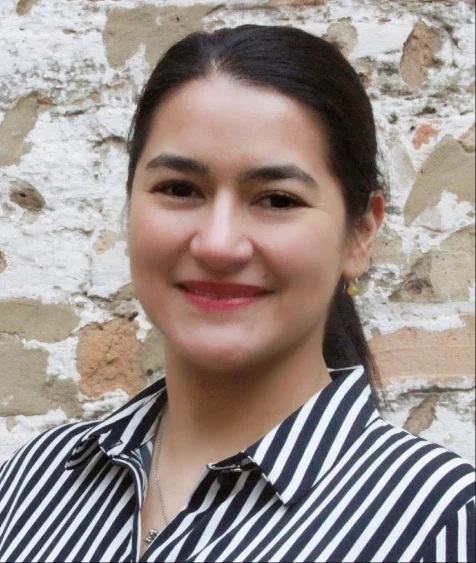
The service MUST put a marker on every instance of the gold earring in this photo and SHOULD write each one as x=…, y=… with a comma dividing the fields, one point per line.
x=353, y=289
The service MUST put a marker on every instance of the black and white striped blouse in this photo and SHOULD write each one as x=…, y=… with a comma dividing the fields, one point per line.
x=332, y=482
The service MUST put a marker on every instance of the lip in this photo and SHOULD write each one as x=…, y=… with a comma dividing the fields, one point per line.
x=219, y=296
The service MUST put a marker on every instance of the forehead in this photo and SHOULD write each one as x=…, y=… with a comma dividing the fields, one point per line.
x=220, y=118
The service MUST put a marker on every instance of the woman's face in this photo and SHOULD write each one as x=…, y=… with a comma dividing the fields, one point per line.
x=237, y=230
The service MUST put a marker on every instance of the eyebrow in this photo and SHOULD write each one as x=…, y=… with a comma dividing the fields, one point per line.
x=179, y=163
x=263, y=173
x=280, y=172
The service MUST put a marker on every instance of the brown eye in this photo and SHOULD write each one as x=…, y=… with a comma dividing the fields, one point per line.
x=179, y=190
x=280, y=201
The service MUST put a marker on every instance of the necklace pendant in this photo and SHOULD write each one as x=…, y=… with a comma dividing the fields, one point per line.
x=152, y=534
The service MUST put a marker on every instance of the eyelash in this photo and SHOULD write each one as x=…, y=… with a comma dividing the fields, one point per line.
x=168, y=186
x=290, y=201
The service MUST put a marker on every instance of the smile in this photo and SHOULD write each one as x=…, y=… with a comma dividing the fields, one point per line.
x=215, y=296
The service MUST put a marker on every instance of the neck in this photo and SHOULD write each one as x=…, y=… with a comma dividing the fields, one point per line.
x=212, y=416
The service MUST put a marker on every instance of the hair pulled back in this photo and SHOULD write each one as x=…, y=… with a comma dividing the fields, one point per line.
x=313, y=72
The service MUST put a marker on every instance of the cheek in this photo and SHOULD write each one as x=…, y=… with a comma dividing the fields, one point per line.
x=309, y=256
x=150, y=236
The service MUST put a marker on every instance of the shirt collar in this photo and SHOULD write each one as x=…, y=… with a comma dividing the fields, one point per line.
x=125, y=429
x=292, y=457
x=298, y=452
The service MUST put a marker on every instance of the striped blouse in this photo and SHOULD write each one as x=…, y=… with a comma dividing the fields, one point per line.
x=332, y=482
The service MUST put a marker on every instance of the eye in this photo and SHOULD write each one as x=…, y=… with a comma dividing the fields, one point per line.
x=176, y=189
x=280, y=201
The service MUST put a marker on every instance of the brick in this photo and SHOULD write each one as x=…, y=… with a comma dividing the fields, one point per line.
x=411, y=353
x=423, y=135
x=108, y=358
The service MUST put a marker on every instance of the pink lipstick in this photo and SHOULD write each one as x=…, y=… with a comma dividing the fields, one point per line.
x=218, y=296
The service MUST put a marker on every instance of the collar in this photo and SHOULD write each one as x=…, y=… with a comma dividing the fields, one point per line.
x=293, y=456
x=125, y=430
x=299, y=451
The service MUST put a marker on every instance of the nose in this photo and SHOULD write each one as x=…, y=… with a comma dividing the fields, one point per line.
x=221, y=242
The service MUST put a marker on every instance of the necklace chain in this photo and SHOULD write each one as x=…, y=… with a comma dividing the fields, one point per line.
x=153, y=533
x=163, y=508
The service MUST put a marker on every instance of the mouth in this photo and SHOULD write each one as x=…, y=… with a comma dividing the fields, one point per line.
x=219, y=296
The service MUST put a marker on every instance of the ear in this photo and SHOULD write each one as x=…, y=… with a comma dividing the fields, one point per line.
x=362, y=238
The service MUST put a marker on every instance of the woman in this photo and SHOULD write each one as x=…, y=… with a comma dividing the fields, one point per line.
x=253, y=202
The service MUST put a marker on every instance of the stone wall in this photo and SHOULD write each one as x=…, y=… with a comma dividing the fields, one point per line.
x=74, y=343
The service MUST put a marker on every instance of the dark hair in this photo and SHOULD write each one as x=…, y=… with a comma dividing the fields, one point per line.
x=313, y=72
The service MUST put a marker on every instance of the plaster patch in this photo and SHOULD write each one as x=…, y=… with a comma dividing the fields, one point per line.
x=109, y=271
x=61, y=357
x=449, y=215
x=454, y=430
x=16, y=431
x=109, y=402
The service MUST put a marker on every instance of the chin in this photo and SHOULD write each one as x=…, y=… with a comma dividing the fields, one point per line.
x=217, y=358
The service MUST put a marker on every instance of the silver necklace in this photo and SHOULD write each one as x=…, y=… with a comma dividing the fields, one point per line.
x=153, y=533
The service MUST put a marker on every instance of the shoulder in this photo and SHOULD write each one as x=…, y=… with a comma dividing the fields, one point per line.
x=423, y=470
x=48, y=451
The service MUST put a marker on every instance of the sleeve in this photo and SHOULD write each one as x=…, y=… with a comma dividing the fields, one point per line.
x=456, y=540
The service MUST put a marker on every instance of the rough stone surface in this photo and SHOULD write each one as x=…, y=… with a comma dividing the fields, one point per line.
x=105, y=241
x=467, y=140
x=422, y=416
x=27, y=196
x=388, y=248
x=296, y=3
x=449, y=168
x=24, y=6
x=417, y=284
x=3, y=262
x=419, y=53
x=24, y=386
x=344, y=35
x=159, y=28
x=453, y=266
x=108, y=358
x=417, y=354
x=442, y=412
x=442, y=274
x=16, y=125
x=34, y=320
